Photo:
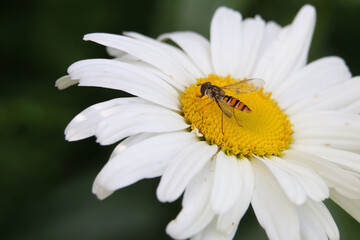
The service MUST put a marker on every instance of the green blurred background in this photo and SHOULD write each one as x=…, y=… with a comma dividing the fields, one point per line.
x=46, y=181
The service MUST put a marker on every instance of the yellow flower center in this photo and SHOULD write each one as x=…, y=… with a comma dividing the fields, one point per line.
x=266, y=130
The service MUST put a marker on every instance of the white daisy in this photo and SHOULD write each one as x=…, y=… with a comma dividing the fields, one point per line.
x=299, y=146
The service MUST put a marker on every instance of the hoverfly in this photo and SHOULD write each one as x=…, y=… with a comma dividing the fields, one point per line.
x=228, y=104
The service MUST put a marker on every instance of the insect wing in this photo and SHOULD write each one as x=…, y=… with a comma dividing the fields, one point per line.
x=246, y=86
x=225, y=108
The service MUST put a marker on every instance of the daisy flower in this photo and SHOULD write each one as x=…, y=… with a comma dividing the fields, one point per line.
x=298, y=146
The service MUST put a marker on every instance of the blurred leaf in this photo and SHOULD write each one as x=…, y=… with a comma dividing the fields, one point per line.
x=190, y=15
x=70, y=211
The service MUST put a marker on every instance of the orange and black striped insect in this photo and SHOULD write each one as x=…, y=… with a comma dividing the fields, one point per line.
x=228, y=104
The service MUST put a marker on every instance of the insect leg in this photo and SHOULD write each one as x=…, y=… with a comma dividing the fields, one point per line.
x=222, y=122
x=236, y=118
x=205, y=105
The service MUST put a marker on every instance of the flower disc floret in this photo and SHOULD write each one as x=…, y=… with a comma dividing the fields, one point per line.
x=264, y=131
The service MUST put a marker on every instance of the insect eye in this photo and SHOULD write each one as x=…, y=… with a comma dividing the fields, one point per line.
x=204, y=87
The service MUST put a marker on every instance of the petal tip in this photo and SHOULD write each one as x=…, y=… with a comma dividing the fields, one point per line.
x=160, y=196
x=308, y=10
x=65, y=82
x=90, y=36
x=100, y=192
x=87, y=37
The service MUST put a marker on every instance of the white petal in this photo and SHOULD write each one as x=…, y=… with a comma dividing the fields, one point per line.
x=316, y=222
x=155, y=71
x=144, y=159
x=126, y=77
x=335, y=98
x=149, y=53
x=85, y=123
x=134, y=60
x=351, y=206
x=227, y=183
x=115, y=52
x=127, y=58
x=310, y=227
x=312, y=79
x=289, y=183
x=135, y=119
x=195, y=46
x=186, y=164
x=327, y=118
x=228, y=222
x=65, y=82
x=289, y=52
x=325, y=218
x=297, y=182
x=275, y=213
x=211, y=233
x=196, y=212
x=252, y=35
x=175, y=53
x=333, y=142
x=335, y=129
x=225, y=41
x=339, y=179
x=335, y=132
x=353, y=107
x=131, y=140
x=344, y=159
x=271, y=34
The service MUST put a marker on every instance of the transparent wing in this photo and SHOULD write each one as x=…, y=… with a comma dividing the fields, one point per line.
x=225, y=108
x=246, y=86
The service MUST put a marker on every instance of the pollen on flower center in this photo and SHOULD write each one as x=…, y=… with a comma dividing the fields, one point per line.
x=266, y=130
